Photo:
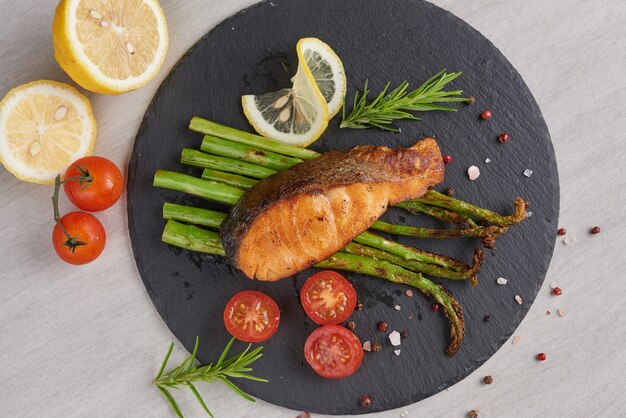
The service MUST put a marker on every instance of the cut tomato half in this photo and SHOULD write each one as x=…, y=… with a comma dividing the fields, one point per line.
x=251, y=316
x=333, y=351
x=328, y=298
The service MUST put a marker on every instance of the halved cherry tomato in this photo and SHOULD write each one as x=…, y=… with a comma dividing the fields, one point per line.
x=333, y=351
x=84, y=228
x=102, y=191
x=328, y=298
x=251, y=316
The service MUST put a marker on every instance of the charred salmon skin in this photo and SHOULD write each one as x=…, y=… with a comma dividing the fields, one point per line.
x=303, y=215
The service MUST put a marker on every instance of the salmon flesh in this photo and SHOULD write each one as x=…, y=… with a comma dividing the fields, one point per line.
x=303, y=215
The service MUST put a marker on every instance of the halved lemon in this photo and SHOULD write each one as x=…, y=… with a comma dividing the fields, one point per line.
x=299, y=115
x=44, y=126
x=110, y=46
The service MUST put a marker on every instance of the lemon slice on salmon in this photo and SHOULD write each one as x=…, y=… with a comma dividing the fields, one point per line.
x=300, y=114
x=44, y=127
x=110, y=46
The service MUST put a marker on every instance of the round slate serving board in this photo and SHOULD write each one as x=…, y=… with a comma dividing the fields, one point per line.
x=383, y=41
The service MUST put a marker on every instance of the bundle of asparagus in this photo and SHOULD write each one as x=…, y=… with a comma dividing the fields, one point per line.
x=235, y=161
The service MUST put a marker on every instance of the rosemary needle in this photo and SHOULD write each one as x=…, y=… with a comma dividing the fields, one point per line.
x=396, y=104
x=186, y=374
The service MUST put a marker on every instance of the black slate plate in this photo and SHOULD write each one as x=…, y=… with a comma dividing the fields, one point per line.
x=385, y=41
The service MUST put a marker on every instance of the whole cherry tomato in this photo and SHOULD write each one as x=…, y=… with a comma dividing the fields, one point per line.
x=97, y=186
x=87, y=238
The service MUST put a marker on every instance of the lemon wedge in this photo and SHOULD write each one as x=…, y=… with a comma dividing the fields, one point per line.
x=44, y=127
x=110, y=46
x=300, y=114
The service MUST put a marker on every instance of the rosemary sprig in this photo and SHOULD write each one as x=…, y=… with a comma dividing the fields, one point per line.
x=187, y=373
x=388, y=107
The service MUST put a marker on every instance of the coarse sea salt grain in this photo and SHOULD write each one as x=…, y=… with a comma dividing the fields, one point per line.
x=501, y=280
x=529, y=214
x=397, y=307
x=487, y=160
x=397, y=352
x=516, y=339
x=394, y=338
x=518, y=299
x=409, y=293
x=367, y=346
x=569, y=241
x=473, y=172
x=528, y=172
x=404, y=413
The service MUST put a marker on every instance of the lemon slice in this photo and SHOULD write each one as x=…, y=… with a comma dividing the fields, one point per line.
x=299, y=115
x=110, y=46
x=327, y=70
x=44, y=126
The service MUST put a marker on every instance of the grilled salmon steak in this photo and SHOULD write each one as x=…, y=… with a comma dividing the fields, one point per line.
x=303, y=215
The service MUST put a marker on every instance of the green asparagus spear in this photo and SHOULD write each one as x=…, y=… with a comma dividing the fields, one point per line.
x=240, y=182
x=408, y=253
x=200, y=159
x=211, y=190
x=417, y=266
x=211, y=128
x=192, y=238
x=435, y=198
x=419, y=232
x=192, y=215
x=247, y=153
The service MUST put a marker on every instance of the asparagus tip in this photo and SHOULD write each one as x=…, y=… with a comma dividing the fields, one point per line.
x=457, y=323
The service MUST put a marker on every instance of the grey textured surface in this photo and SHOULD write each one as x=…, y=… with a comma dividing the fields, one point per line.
x=190, y=289
x=86, y=341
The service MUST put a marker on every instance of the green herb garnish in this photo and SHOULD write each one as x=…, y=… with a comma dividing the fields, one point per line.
x=388, y=107
x=187, y=373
